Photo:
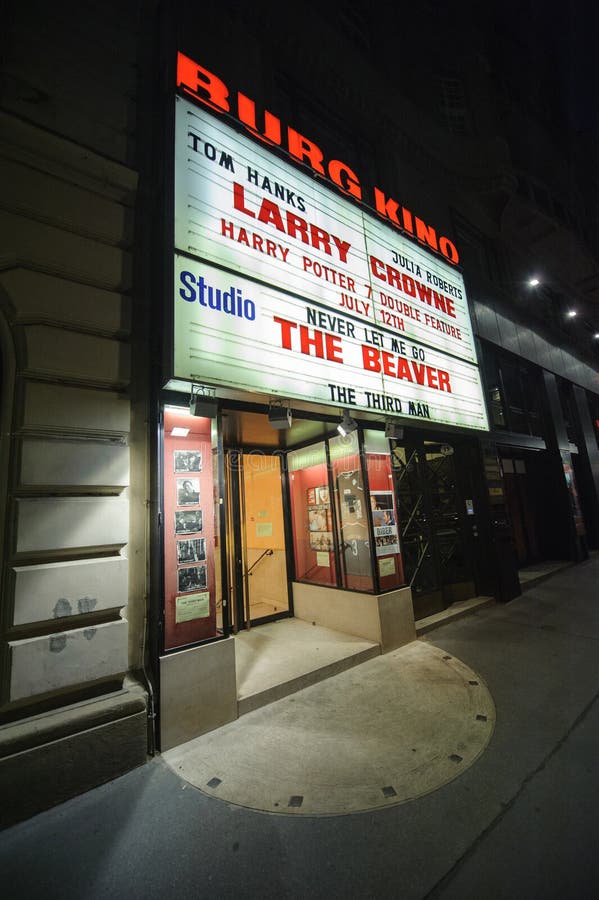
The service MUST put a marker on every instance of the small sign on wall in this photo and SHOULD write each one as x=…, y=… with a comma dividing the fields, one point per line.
x=192, y=606
x=387, y=566
x=263, y=529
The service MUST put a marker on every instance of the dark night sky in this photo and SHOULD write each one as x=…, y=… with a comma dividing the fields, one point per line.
x=561, y=42
x=558, y=42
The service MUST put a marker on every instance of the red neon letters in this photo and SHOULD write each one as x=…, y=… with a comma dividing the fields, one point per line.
x=207, y=88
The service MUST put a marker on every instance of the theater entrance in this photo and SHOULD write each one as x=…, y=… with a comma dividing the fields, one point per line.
x=256, y=538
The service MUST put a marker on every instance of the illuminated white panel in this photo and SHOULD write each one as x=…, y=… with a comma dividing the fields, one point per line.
x=417, y=295
x=280, y=251
x=239, y=333
x=320, y=262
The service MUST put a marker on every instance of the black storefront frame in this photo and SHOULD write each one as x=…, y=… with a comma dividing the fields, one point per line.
x=362, y=427
x=286, y=499
x=177, y=398
x=474, y=531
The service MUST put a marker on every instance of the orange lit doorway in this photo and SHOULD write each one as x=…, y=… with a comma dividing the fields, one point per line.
x=257, y=545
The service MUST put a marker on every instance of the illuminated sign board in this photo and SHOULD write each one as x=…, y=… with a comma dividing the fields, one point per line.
x=209, y=90
x=285, y=288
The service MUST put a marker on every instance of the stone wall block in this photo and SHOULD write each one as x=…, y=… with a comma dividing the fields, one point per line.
x=53, y=523
x=63, y=589
x=39, y=195
x=23, y=141
x=57, y=661
x=36, y=245
x=58, y=408
x=54, y=353
x=59, y=463
x=45, y=299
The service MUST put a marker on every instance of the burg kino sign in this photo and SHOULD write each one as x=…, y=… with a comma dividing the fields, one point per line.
x=286, y=288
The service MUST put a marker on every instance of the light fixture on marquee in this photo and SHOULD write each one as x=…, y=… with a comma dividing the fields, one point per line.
x=393, y=431
x=347, y=424
x=202, y=403
x=280, y=416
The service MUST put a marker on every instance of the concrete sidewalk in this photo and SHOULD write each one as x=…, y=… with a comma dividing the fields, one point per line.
x=521, y=822
x=391, y=729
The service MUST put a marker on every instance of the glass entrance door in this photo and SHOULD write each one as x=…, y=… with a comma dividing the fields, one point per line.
x=257, y=554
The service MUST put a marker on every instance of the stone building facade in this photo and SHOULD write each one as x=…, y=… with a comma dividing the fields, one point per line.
x=86, y=113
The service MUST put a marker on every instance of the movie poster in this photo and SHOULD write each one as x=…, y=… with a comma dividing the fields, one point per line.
x=384, y=522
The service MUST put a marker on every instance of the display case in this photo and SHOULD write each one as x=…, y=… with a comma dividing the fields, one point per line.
x=344, y=514
x=189, y=530
x=384, y=512
x=312, y=518
x=351, y=504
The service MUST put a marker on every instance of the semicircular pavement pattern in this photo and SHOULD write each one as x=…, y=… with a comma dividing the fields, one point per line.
x=387, y=731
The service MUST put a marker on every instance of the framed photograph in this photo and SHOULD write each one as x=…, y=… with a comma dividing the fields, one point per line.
x=311, y=496
x=191, y=578
x=321, y=541
x=322, y=495
x=382, y=506
x=191, y=551
x=188, y=491
x=188, y=460
x=386, y=544
x=318, y=518
x=188, y=521
x=386, y=536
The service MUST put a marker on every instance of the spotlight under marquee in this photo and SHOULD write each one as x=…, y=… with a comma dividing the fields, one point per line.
x=347, y=424
x=203, y=407
x=394, y=431
x=202, y=402
x=280, y=417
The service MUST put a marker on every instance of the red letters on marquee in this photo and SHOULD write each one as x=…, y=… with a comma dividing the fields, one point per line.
x=319, y=343
x=209, y=89
x=197, y=81
x=376, y=360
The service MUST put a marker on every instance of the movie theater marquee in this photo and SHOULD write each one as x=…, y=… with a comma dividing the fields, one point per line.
x=285, y=287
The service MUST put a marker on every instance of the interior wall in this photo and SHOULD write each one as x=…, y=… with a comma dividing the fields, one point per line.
x=264, y=530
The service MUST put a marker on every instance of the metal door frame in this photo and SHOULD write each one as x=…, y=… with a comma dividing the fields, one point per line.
x=237, y=542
